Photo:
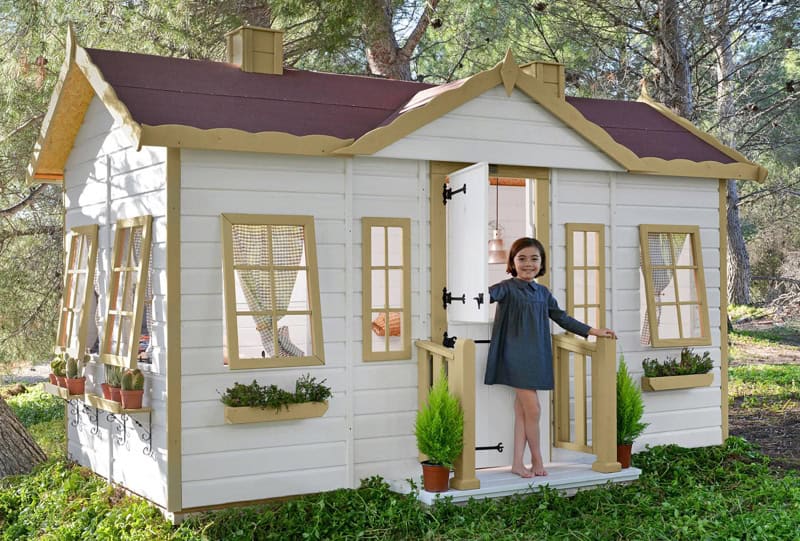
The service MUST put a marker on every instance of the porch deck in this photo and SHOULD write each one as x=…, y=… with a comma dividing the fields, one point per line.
x=567, y=478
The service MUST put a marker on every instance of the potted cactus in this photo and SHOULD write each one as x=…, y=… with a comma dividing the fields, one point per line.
x=53, y=368
x=113, y=383
x=132, y=389
x=60, y=371
x=76, y=381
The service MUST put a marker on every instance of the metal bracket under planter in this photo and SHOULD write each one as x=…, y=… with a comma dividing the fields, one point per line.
x=306, y=410
x=668, y=383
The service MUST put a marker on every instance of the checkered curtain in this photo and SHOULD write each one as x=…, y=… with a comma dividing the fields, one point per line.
x=252, y=246
x=660, y=255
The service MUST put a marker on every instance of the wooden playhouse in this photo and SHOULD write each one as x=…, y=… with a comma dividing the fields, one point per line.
x=249, y=222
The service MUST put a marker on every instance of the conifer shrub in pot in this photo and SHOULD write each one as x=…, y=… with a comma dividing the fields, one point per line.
x=630, y=409
x=439, y=429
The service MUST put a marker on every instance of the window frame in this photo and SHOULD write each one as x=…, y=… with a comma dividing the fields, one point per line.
x=234, y=362
x=87, y=234
x=572, y=228
x=367, y=223
x=693, y=232
x=142, y=278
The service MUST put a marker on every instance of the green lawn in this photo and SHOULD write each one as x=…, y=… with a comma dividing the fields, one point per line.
x=726, y=492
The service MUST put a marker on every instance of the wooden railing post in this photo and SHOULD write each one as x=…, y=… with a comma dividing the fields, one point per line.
x=462, y=384
x=604, y=406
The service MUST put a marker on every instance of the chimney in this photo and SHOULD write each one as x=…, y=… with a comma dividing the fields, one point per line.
x=549, y=73
x=256, y=50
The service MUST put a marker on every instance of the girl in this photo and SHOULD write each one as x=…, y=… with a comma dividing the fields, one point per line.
x=520, y=354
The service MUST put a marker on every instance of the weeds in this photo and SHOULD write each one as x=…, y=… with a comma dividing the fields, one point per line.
x=774, y=387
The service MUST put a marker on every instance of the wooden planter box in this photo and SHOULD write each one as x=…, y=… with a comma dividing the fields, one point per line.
x=60, y=392
x=110, y=406
x=306, y=410
x=668, y=383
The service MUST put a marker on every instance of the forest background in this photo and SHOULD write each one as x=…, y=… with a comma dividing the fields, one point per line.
x=731, y=67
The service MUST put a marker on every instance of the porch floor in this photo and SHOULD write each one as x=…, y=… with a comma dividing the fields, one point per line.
x=499, y=482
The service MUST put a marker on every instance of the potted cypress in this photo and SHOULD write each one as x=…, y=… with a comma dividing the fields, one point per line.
x=439, y=429
x=630, y=409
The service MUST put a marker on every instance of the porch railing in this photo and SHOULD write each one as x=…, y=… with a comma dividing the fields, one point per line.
x=459, y=364
x=604, y=398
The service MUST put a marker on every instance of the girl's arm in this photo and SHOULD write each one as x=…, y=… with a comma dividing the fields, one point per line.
x=605, y=333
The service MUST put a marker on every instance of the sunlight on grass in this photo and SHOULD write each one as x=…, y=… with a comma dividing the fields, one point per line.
x=43, y=415
x=742, y=311
x=773, y=387
x=781, y=336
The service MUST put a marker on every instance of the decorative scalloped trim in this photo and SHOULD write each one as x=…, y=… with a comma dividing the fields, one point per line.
x=178, y=135
x=706, y=169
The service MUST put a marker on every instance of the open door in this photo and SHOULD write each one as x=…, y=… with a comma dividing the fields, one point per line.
x=467, y=238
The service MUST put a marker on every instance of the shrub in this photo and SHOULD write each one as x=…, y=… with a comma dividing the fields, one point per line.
x=690, y=363
x=440, y=425
x=630, y=406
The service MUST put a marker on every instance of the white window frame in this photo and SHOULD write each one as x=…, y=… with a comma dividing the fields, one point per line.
x=71, y=337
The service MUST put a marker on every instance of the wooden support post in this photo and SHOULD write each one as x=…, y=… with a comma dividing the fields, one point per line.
x=423, y=382
x=604, y=406
x=462, y=384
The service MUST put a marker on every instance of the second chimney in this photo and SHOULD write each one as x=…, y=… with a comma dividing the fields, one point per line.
x=256, y=50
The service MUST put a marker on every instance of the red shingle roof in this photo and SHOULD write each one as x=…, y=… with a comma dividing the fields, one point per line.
x=206, y=95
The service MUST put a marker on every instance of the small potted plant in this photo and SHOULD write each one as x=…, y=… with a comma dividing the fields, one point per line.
x=692, y=370
x=630, y=409
x=76, y=381
x=53, y=368
x=132, y=389
x=439, y=429
x=60, y=370
x=113, y=383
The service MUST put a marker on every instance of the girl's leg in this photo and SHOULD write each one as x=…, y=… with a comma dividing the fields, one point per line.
x=531, y=410
x=518, y=466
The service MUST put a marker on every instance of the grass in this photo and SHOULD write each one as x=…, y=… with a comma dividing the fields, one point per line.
x=743, y=311
x=774, y=387
x=43, y=416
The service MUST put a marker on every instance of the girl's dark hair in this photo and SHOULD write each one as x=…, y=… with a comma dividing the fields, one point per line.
x=519, y=245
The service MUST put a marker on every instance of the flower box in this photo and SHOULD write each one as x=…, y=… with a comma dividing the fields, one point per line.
x=110, y=406
x=668, y=383
x=307, y=410
x=59, y=392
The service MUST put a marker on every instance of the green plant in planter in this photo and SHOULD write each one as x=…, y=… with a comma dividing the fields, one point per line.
x=440, y=426
x=690, y=363
x=74, y=368
x=630, y=407
x=307, y=389
x=133, y=380
x=114, y=376
x=59, y=367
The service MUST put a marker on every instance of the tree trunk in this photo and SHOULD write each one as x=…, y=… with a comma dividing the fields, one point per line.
x=738, y=260
x=673, y=83
x=19, y=453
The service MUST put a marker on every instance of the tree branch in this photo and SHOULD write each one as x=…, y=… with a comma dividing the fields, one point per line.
x=419, y=30
x=13, y=209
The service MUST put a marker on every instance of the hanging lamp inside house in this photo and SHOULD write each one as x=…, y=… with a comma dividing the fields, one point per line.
x=497, y=253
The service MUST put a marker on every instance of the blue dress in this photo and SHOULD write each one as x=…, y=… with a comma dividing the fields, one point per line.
x=521, y=353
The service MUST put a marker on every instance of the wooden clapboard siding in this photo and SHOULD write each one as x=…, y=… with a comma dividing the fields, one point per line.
x=337, y=193
x=691, y=417
x=499, y=129
x=106, y=179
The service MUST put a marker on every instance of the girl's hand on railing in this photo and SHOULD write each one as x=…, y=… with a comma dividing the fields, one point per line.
x=603, y=333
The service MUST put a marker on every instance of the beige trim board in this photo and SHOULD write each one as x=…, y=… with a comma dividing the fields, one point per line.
x=723, y=304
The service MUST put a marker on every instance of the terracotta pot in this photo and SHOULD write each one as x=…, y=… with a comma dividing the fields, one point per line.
x=53, y=379
x=76, y=385
x=435, y=478
x=115, y=393
x=61, y=381
x=106, y=390
x=131, y=400
x=624, y=455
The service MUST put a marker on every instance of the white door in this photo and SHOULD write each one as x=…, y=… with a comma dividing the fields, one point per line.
x=468, y=275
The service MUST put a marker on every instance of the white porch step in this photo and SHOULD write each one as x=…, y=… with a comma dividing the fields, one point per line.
x=500, y=482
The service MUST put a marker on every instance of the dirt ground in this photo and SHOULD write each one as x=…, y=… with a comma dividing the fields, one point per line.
x=777, y=432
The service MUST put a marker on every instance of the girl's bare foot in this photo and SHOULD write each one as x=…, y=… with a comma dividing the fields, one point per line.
x=522, y=471
x=538, y=470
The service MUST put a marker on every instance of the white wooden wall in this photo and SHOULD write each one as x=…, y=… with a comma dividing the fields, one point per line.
x=499, y=129
x=622, y=202
x=368, y=429
x=107, y=179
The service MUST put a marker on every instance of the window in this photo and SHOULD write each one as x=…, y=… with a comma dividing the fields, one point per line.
x=586, y=284
x=126, y=292
x=77, y=312
x=271, y=291
x=386, y=280
x=674, y=286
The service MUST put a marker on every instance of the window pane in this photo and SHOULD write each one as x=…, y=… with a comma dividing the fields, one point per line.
x=291, y=290
x=660, y=250
x=683, y=248
x=250, y=245
x=580, y=313
x=294, y=336
x=379, y=288
x=395, y=246
x=250, y=331
x=287, y=245
x=663, y=286
x=119, y=342
x=253, y=291
x=592, y=240
x=668, y=321
x=579, y=287
x=380, y=329
x=592, y=318
x=690, y=320
x=396, y=331
x=687, y=288
x=577, y=248
x=378, y=256
x=395, y=288
x=593, y=286
x=123, y=248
